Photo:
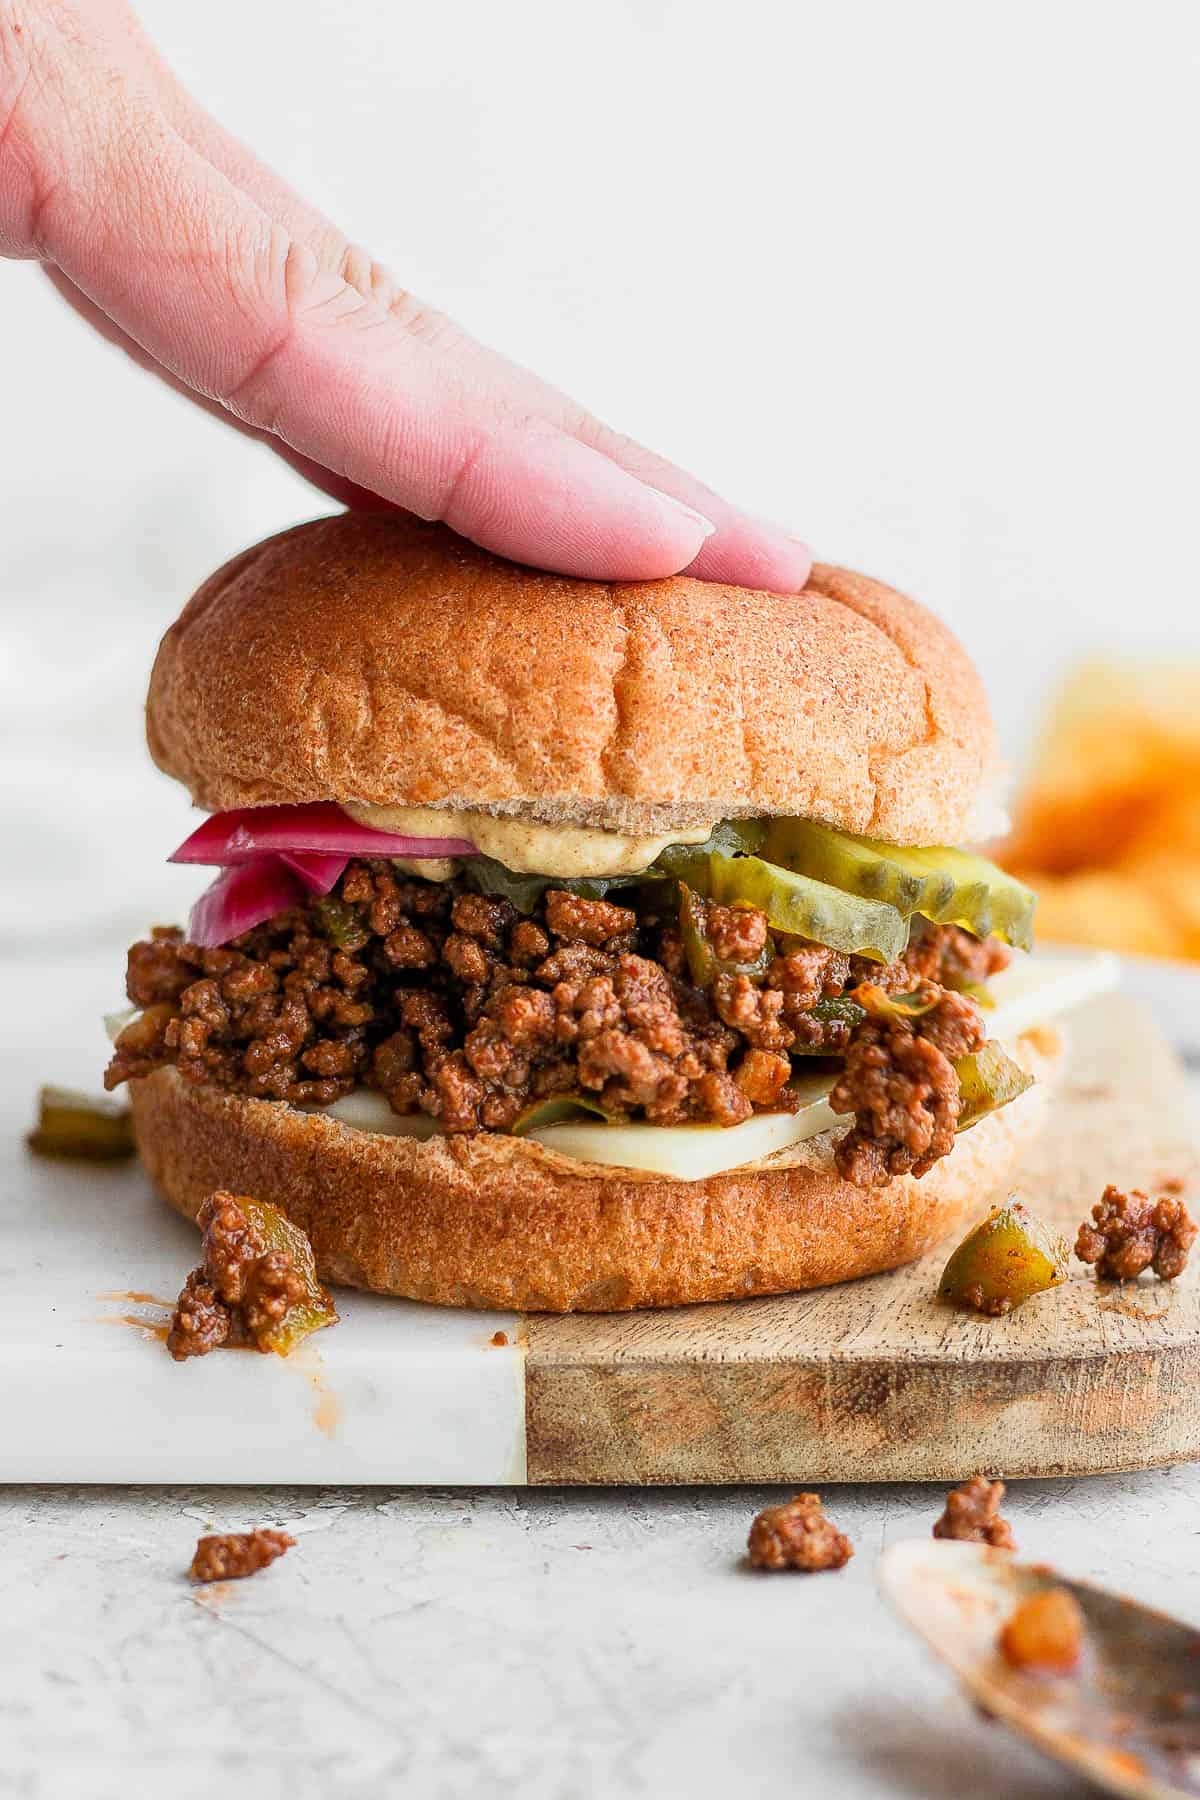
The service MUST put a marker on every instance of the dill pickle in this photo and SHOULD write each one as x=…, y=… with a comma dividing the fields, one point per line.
x=987, y=1080
x=525, y=892
x=795, y=903
x=949, y=886
x=81, y=1125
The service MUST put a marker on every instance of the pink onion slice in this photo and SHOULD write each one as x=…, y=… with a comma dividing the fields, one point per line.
x=321, y=827
x=318, y=873
x=241, y=898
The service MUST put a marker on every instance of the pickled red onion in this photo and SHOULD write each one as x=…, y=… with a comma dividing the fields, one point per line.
x=318, y=873
x=322, y=827
x=241, y=898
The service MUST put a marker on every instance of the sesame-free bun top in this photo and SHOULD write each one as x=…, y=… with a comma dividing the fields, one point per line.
x=371, y=657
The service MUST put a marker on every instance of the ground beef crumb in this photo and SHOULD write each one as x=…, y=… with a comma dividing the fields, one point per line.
x=899, y=1082
x=1130, y=1232
x=797, y=1535
x=236, y=1554
x=973, y=1515
x=241, y=1291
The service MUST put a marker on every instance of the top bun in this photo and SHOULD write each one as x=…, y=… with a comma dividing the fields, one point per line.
x=370, y=657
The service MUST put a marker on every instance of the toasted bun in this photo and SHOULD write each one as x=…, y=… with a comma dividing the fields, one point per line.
x=503, y=1223
x=373, y=658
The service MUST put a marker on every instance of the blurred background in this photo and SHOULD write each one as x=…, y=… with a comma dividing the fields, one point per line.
x=921, y=280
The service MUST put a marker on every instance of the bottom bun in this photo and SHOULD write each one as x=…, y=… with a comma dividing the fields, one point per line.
x=500, y=1222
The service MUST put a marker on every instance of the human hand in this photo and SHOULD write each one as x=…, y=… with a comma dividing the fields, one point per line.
x=177, y=244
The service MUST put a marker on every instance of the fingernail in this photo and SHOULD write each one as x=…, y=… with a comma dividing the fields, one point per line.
x=689, y=512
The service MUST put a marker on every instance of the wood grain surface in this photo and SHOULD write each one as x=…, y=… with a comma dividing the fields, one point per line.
x=876, y=1380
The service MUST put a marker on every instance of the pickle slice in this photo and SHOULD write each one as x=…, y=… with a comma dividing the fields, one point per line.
x=525, y=892
x=1004, y=1261
x=949, y=886
x=795, y=903
x=82, y=1126
x=987, y=1080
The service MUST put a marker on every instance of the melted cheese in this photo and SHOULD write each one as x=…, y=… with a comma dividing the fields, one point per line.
x=526, y=846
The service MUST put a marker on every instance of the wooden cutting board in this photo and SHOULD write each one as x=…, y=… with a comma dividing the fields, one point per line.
x=875, y=1380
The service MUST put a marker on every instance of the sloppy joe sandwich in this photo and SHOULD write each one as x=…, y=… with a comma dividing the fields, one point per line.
x=576, y=946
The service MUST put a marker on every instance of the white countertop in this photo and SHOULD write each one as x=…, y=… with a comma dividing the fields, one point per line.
x=582, y=1645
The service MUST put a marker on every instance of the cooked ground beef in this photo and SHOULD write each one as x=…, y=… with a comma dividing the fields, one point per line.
x=797, y=1535
x=973, y=1515
x=451, y=1003
x=899, y=1082
x=1131, y=1232
x=241, y=1290
x=237, y=1553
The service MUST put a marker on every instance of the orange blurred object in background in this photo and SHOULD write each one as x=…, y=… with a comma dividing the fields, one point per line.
x=1107, y=829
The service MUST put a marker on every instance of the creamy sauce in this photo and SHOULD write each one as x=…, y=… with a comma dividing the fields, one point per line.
x=526, y=846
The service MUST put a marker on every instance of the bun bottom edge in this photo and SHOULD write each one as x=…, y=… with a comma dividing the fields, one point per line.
x=503, y=1224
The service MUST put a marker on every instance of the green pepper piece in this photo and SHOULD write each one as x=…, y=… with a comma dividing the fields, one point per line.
x=949, y=886
x=795, y=903
x=704, y=965
x=829, y=1011
x=882, y=1005
x=316, y=1309
x=988, y=1079
x=701, y=961
x=556, y=1108
x=339, y=923
x=81, y=1126
x=1004, y=1261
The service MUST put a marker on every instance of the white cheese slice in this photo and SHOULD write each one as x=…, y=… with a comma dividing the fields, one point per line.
x=1035, y=989
x=366, y=1110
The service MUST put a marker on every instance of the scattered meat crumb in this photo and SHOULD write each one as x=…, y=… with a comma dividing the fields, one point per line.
x=972, y=1515
x=1130, y=1232
x=1044, y=1633
x=1173, y=1184
x=242, y=1291
x=237, y=1553
x=500, y=1339
x=797, y=1535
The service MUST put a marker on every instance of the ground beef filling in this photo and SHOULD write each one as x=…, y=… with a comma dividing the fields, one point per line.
x=454, y=1004
x=1130, y=1232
